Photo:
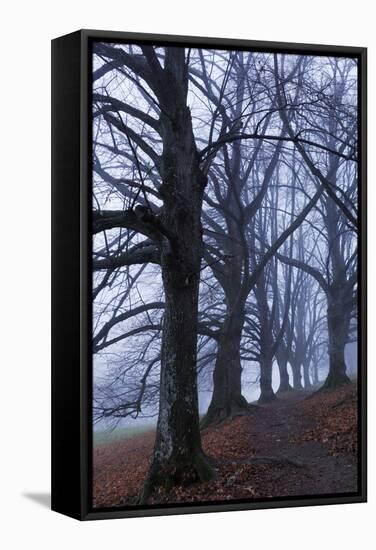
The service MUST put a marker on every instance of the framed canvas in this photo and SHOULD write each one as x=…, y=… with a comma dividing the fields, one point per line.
x=208, y=274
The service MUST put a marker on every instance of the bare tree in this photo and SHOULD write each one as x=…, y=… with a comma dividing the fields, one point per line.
x=224, y=200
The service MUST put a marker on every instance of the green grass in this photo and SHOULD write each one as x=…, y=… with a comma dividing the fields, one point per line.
x=106, y=436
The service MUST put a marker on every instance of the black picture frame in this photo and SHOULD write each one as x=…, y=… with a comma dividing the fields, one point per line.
x=71, y=274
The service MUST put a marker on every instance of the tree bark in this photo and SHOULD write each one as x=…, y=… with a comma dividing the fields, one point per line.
x=284, y=379
x=266, y=368
x=306, y=377
x=339, y=299
x=227, y=399
x=315, y=371
x=338, y=329
x=296, y=375
x=178, y=456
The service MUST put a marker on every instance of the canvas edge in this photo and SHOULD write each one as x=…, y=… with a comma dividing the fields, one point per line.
x=86, y=512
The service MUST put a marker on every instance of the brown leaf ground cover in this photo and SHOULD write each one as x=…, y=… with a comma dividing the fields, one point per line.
x=290, y=447
x=335, y=417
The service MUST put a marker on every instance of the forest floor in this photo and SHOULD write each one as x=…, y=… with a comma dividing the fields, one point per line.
x=292, y=446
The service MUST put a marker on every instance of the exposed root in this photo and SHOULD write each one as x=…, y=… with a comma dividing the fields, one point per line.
x=217, y=414
x=284, y=389
x=164, y=477
x=333, y=382
x=267, y=398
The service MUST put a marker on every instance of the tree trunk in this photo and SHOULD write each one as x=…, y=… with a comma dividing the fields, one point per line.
x=338, y=328
x=296, y=375
x=284, y=379
x=227, y=399
x=315, y=372
x=306, y=378
x=266, y=367
x=178, y=456
x=339, y=299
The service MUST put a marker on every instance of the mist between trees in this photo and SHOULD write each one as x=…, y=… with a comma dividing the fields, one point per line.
x=224, y=237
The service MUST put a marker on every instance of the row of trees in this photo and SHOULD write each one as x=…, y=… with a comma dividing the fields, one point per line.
x=225, y=223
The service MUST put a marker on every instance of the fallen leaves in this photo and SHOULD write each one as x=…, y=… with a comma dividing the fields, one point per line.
x=289, y=447
x=335, y=419
x=229, y=440
x=120, y=468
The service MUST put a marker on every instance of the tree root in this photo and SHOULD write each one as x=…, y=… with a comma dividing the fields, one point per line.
x=332, y=383
x=165, y=477
x=216, y=415
x=267, y=398
x=284, y=389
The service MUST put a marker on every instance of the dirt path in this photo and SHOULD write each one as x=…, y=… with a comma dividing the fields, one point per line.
x=289, y=447
x=306, y=466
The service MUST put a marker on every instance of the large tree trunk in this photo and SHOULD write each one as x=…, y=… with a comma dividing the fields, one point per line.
x=306, y=378
x=178, y=456
x=227, y=399
x=266, y=368
x=315, y=374
x=339, y=299
x=296, y=375
x=338, y=328
x=284, y=379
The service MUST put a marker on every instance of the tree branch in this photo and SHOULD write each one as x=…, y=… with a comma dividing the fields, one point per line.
x=123, y=317
x=139, y=254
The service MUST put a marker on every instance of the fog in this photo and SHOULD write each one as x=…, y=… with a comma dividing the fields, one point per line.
x=256, y=190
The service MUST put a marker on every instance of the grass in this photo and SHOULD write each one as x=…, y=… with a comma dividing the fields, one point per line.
x=104, y=437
